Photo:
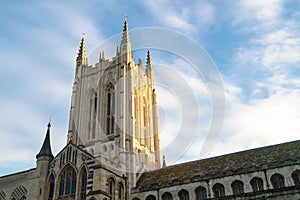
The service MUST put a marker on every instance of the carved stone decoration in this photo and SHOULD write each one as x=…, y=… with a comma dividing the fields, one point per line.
x=52, y=164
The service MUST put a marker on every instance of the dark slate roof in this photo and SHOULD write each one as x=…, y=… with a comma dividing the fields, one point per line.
x=226, y=165
x=46, y=147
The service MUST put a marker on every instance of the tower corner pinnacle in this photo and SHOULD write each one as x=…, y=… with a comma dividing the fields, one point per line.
x=81, y=59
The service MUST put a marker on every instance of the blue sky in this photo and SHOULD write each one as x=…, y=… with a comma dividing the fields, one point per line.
x=255, y=45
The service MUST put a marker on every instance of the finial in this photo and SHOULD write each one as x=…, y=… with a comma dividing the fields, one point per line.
x=125, y=17
x=49, y=121
x=83, y=34
x=49, y=118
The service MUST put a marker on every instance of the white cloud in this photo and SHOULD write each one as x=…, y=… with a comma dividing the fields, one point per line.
x=260, y=122
x=273, y=46
x=205, y=13
x=258, y=13
x=270, y=114
x=177, y=19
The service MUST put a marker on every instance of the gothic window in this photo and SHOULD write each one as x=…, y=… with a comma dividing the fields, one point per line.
x=110, y=110
x=150, y=197
x=93, y=116
x=296, y=177
x=257, y=184
x=219, y=190
x=237, y=187
x=111, y=188
x=121, y=191
x=2, y=195
x=51, y=187
x=277, y=181
x=200, y=193
x=67, y=183
x=167, y=196
x=183, y=195
x=83, y=182
x=19, y=193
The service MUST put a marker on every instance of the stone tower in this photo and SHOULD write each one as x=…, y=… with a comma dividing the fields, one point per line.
x=44, y=158
x=114, y=114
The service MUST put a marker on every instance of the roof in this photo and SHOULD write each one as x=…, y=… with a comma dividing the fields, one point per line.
x=46, y=147
x=236, y=163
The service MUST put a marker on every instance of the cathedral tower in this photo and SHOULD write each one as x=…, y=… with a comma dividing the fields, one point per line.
x=114, y=114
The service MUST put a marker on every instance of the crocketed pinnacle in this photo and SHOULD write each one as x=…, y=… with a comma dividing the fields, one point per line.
x=125, y=26
x=81, y=57
x=125, y=35
x=46, y=147
x=149, y=59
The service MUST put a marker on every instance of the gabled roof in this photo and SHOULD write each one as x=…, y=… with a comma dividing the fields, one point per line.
x=89, y=156
x=226, y=165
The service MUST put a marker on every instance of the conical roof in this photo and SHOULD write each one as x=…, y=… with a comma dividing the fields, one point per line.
x=46, y=147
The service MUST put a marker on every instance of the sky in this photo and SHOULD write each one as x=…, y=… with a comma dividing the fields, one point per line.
x=254, y=46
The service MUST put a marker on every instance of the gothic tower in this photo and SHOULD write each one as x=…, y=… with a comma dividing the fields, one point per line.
x=114, y=113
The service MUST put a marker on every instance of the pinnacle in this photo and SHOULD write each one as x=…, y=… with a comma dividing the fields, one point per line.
x=149, y=59
x=125, y=28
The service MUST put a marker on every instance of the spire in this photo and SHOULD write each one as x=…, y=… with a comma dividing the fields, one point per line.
x=149, y=59
x=164, y=161
x=81, y=57
x=46, y=147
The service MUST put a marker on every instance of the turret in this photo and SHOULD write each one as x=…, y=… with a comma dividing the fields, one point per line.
x=44, y=158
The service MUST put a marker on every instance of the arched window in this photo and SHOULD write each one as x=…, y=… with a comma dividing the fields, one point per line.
x=67, y=183
x=277, y=181
x=110, y=110
x=51, y=187
x=167, y=196
x=237, y=187
x=150, y=197
x=121, y=191
x=83, y=183
x=200, y=193
x=257, y=184
x=219, y=190
x=93, y=115
x=111, y=188
x=296, y=177
x=183, y=195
